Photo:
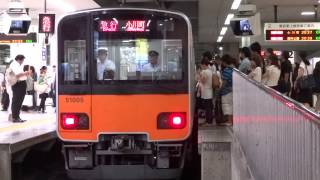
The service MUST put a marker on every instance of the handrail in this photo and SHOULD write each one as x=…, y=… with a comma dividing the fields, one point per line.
x=293, y=104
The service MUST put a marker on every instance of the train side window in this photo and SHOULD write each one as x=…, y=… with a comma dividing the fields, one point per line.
x=74, y=62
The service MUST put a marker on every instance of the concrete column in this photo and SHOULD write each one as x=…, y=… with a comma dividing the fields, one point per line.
x=245, y=41
x=216, y=154
x=5, y=163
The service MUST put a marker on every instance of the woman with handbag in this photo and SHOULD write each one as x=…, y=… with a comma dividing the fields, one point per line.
x=42, y=87
x=304, y=96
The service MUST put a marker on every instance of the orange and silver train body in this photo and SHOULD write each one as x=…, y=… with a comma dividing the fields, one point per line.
x=125, y=82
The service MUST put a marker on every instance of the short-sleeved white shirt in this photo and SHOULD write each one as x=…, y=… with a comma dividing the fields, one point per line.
x=18, y=69
x=272, y=75
x=307, y=70
x=101, y=67
x=256, y=74
x=206, y=87
x=150, y=68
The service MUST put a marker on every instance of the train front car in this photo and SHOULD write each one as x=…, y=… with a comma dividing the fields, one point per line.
x=124, y=87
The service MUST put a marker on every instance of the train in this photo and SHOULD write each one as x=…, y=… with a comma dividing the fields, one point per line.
x=125, y=93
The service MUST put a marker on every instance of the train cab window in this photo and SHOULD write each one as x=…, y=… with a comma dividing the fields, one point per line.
x=139, y=59
x=140, y=48
x=73, y=50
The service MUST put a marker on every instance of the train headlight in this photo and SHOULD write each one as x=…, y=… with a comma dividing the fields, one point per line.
x=171, y=120
x=74, y=121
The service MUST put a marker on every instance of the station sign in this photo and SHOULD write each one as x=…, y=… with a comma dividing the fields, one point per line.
x=292, y=31
x=46, y=23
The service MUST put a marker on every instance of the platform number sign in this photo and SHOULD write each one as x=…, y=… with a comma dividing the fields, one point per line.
x=46, y=23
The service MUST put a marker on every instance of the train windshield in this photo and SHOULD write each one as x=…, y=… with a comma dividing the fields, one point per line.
x=138, y=47
x=109, y=51
x=138, y=59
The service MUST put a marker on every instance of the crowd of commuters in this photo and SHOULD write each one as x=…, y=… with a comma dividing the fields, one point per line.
x=214, y=88
x=22, y=84
x=276, y=72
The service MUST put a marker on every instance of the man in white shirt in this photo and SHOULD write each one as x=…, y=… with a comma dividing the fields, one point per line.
x=152, y=66
x=18, y=89
x=104, y=64
x=206, y=90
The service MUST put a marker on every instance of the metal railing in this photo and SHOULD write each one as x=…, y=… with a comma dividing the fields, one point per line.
x=280, y=138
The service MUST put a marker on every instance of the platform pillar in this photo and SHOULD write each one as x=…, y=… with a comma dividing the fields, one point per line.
x=5, y=163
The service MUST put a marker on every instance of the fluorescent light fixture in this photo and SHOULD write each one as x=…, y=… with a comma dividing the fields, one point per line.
x=220, y=38
x=63, y=5
x=229, y=17
x=236, y=4
x=307, y=13
x=223, y=31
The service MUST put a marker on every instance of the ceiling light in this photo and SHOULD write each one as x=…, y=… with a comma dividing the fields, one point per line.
x=229, y=17
x=223, y=31
x=307, y=13
x=220, y=38
x=236, y=4
x=67, y=7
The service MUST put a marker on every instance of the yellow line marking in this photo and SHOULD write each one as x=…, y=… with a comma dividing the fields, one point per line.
x=27, y=124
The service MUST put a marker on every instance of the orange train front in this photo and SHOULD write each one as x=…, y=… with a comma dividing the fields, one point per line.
x=124, y=93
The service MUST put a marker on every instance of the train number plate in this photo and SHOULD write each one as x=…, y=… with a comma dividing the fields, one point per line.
x=74, y=100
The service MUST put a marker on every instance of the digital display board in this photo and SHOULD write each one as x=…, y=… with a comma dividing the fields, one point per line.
x=293, y=35
x=46, y=23
x=8, y=39
x=17, y=41
x=292, y=31
x=126, y=26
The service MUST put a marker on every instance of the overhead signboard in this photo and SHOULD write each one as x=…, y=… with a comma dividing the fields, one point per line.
x=46, y=23
x=292, y=31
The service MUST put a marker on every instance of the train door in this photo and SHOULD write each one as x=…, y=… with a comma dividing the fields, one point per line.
x=74, y=88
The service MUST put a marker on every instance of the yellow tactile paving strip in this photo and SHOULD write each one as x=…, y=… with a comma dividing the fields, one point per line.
x=27, y=124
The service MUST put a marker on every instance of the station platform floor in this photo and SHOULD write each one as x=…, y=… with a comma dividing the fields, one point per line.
x=33, y=119
x=20, y=137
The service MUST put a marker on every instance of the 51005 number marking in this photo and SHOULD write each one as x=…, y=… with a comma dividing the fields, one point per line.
x=74, y=100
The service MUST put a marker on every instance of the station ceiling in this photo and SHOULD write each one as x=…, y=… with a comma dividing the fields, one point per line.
x=207, y=16
x=53, y=6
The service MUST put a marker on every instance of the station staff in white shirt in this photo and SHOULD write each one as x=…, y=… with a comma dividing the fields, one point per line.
x=104, y=64
x=18, y=89
x=152, y=66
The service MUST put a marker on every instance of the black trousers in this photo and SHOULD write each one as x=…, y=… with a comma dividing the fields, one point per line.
x=19, y=91
x=207, y=105
x=43, y=98
x=5, y=100
x=34, y=100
